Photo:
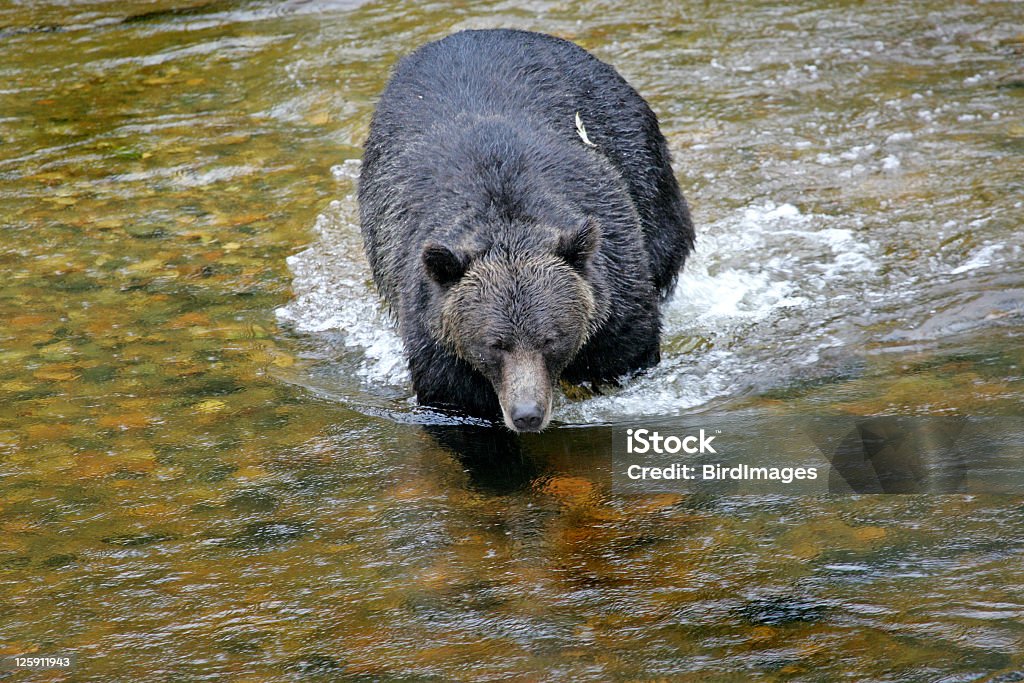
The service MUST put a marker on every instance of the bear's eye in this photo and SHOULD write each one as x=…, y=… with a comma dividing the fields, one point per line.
x=500, y=346
x=549, y=342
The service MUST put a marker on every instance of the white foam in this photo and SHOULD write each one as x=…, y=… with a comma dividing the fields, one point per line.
x=333, y=291
x=980, y=259
x=347, y=170
x=759, y=273
x=901, y=136
x=710, y=292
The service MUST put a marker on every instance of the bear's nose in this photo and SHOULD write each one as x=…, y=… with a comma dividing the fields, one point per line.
x=527, y=416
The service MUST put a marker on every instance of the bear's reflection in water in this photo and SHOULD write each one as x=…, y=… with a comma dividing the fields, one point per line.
x=500, y=461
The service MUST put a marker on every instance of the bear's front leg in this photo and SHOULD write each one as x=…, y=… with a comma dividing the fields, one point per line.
x=443, y=380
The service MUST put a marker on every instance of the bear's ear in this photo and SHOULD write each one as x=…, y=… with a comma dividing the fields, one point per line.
x=577, y=246
x=442, y=265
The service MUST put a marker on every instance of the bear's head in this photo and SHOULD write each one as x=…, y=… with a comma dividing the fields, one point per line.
x=518, y=312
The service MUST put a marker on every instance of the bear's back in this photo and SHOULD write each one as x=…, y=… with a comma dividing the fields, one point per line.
x=538, y=81
x=509, y=72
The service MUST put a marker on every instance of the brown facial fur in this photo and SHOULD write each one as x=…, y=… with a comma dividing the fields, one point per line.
x=519, y=321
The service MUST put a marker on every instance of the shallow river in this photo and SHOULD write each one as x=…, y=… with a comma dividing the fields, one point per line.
x=210, y=465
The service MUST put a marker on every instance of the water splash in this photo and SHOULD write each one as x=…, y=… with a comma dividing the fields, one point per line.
x=756, y=291
x=334, y=291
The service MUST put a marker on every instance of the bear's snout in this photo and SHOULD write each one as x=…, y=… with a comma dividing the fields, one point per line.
x=525, y=392
x=527, y=416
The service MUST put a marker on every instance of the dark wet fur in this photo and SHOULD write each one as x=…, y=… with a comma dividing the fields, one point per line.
x=473, y=147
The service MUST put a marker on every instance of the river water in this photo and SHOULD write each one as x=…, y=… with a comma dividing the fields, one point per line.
x=210, y=463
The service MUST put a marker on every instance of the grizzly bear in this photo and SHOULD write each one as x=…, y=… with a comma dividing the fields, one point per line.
x=521, y=219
